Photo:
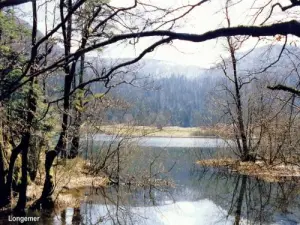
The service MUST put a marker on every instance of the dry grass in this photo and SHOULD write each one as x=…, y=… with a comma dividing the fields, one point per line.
x=70, y=179
x=258, y=169
x=152, y=131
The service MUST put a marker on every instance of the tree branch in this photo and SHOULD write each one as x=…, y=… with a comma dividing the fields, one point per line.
x=284, y=28
x=285, y=88
x=113, y=69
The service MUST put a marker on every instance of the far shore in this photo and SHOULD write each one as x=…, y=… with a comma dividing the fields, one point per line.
x=168, y=131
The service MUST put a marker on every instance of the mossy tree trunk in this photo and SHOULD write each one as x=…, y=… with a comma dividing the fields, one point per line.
x=32, y=108
x=2, y=171
x=2, y=149
x=74, y=151
x=23, y=188
x=2, y=168
x=6, y=198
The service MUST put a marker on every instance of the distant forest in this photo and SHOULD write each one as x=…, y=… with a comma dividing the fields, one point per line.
x=171, y=101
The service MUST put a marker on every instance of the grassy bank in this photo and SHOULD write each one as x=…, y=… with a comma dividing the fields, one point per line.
x=259, y=169
x=152, y=131
x=71, y=178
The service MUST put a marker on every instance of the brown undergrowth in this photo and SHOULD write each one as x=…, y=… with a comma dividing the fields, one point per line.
x=70, y=179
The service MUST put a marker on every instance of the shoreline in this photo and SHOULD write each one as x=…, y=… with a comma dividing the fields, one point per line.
x=258, y=169
x=69, y=184
x=165, y=136
x=164, y=132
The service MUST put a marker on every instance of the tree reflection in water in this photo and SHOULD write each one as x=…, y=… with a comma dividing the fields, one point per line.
x=239, y=199
x=201, y=196
x=250, y=200
x=117, y=205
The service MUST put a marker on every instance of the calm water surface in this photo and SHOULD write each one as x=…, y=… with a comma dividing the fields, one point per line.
x=200, y=195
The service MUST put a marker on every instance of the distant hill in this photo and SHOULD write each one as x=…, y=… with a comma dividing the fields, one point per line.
x=180, y=95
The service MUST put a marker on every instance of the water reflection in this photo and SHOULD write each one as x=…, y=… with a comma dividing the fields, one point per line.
x=252, y=201
x=201, y=196
x=218, y=199
x=168, y=141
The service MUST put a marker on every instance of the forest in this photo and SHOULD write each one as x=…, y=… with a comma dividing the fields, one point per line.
x=71, y=70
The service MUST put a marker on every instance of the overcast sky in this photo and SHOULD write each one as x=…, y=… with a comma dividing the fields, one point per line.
x=207, y=17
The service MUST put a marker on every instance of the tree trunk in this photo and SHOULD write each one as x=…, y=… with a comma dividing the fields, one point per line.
x=78, y=119
x=6, y=194
x=74, y=151
x=2, y=149
x=246, y=156
x=76, y=219
x=23, y=189
x=2, y=175
x=46, y=200
x=2, y=168
x=32, y=106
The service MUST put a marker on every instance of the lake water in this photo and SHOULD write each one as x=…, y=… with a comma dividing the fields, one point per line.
x=167, y=142
x=200, y=195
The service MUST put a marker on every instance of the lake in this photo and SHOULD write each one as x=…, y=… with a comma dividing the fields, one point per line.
x=199, y=195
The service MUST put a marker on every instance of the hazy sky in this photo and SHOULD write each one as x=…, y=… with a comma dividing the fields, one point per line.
x=202, y=19
x=207, y=17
